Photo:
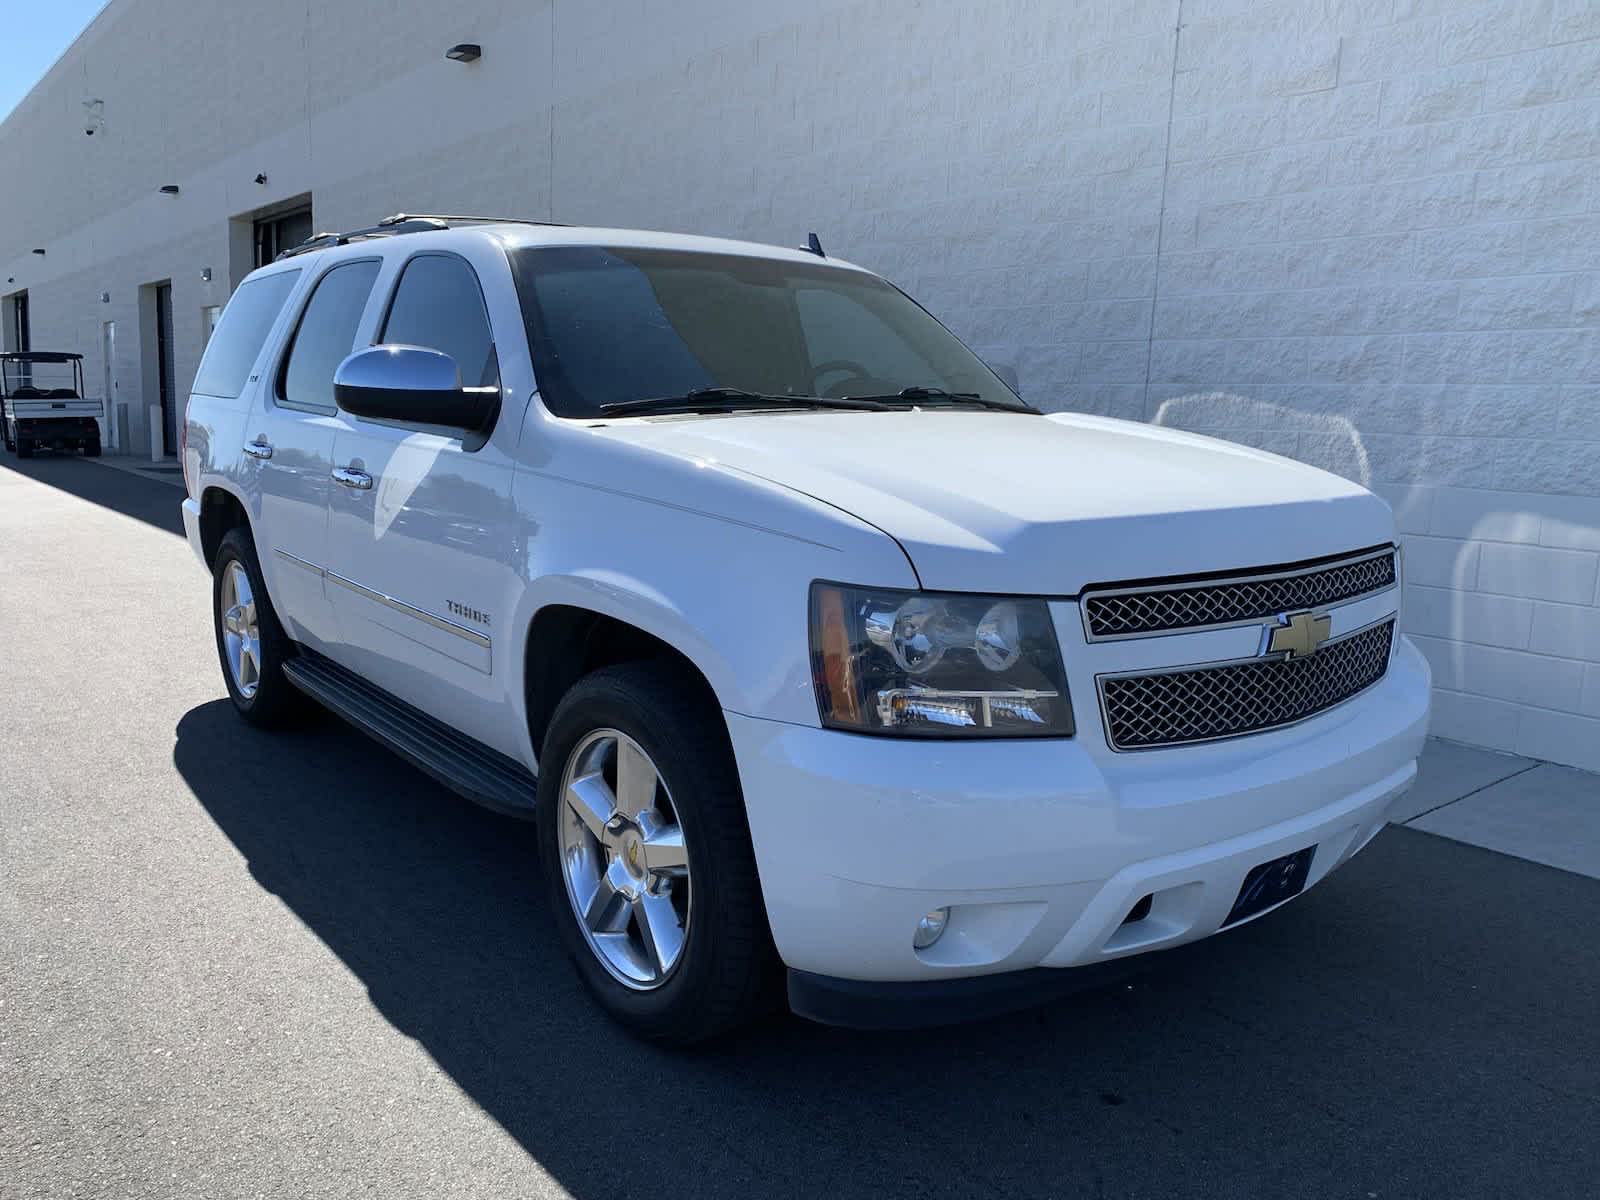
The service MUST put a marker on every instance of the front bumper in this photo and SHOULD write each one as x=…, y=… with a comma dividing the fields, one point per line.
x=1041, y=849
x=191, y=529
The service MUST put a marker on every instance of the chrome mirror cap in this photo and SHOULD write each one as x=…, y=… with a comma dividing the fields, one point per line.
x=398, y=368
x=412, y=385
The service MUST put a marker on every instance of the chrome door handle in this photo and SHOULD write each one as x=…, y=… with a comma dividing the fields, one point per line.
x=258, y=449
x=351, y=478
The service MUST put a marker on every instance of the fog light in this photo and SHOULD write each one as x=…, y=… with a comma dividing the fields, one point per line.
x=930, y=929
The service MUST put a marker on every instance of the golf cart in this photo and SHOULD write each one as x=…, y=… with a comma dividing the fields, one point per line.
x=42, y=403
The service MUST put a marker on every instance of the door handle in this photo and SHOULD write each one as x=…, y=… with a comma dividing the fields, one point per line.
x=351, y=478
x=258, y=449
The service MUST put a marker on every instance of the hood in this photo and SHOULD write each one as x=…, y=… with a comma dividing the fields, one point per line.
x=990, y=501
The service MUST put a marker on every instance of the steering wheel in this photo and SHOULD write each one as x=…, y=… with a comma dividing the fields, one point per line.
x=851, y=368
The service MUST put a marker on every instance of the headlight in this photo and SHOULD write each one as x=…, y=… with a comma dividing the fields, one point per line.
x=932, y=665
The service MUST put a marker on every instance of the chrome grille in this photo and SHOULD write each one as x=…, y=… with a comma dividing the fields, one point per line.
x=1144, y=711
x=1130, y=612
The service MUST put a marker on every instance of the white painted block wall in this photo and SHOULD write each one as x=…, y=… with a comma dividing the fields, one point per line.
x=1365, y=233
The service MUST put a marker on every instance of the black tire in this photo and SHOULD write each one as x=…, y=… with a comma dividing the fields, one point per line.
x=24, y=450
x=728, y=969
x=91, y=448
x=275, y=701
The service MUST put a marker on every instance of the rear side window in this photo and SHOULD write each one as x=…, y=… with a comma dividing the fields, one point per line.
x=240, y=333
x=440, y=306
x=326, y=334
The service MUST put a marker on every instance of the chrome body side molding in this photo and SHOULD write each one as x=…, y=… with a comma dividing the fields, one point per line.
x=400, y=606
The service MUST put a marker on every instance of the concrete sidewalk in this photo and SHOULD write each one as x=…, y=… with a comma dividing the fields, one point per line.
x=167, y=470
x=1520, y=806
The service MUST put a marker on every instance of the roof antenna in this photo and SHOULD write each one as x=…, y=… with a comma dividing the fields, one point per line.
x=814, y=244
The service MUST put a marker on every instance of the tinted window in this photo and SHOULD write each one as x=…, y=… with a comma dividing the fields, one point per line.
x=327, y=333
x=609, y=324
x=438, y=305
x=244, y=326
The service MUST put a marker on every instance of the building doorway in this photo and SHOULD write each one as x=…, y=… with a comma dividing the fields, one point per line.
x=166, y=375
x=14, y=333
x=18, y=335
x=280, y=232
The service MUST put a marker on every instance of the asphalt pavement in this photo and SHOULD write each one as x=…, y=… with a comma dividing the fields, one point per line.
x=245, y=964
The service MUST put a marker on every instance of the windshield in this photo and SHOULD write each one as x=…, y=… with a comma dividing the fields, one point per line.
x=39, y=379
x=608, y=325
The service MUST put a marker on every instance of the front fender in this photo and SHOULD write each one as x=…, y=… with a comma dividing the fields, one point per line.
x=722, y=572
x=636, y=602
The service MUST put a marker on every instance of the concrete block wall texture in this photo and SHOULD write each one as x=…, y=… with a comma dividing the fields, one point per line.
x=1364, y=233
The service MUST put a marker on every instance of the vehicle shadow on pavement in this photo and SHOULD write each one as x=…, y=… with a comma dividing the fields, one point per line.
x=149, y=500
x=1421, y=1024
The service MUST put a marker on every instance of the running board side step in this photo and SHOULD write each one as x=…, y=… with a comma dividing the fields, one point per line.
x=463, y=764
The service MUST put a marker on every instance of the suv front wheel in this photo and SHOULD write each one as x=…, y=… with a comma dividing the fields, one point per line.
x=250, y=642
x=646, y=855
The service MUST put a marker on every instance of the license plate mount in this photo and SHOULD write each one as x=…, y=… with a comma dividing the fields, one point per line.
x=1271, y=883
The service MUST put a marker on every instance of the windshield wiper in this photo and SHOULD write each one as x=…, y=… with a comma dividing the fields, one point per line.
x=919, y=394
x=727, y=399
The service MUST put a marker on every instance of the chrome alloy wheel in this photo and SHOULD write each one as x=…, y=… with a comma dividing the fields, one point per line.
x=241, y=634
x=624, y=860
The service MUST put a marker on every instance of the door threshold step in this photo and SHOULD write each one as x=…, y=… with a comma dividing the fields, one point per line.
x=463, y=764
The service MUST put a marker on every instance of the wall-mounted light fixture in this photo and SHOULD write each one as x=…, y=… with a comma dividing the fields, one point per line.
x=261, y=176
x=464, y=52
x=105, y=297
x=169, y=189
x=38, y=250
x=205, y=274
x=11, y=278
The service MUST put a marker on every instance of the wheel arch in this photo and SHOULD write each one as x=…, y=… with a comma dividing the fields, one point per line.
x=220, y=510
x=568, y=637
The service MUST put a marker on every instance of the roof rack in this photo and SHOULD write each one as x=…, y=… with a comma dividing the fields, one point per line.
x=463, y=219
x=401, y=223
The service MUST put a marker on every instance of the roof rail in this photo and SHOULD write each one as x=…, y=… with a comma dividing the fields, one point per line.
x=400, y=223
x=449, y=219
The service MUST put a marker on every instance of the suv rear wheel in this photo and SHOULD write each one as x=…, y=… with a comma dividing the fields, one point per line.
x=646, y=855
x=250, y=642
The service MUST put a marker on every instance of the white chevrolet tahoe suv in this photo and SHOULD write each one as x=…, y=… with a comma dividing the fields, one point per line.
x=818, y=657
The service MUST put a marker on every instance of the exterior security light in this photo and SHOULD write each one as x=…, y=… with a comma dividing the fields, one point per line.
x=105, y=297
x=38, y=249
x=169, y=189
x=205, y=274
x=464, y=52
x=261, y=176
x=930, y=929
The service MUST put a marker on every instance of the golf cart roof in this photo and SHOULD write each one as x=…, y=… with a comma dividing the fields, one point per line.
x=46, y=356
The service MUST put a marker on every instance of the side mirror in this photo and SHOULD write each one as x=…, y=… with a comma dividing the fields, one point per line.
x=412, y=385
x=1008, y=375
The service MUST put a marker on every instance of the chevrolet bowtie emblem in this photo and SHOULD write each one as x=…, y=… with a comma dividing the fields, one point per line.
x=1299, y=635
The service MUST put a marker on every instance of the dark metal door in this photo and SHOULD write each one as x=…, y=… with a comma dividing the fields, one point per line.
x=23, y=339
x=166, y=376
